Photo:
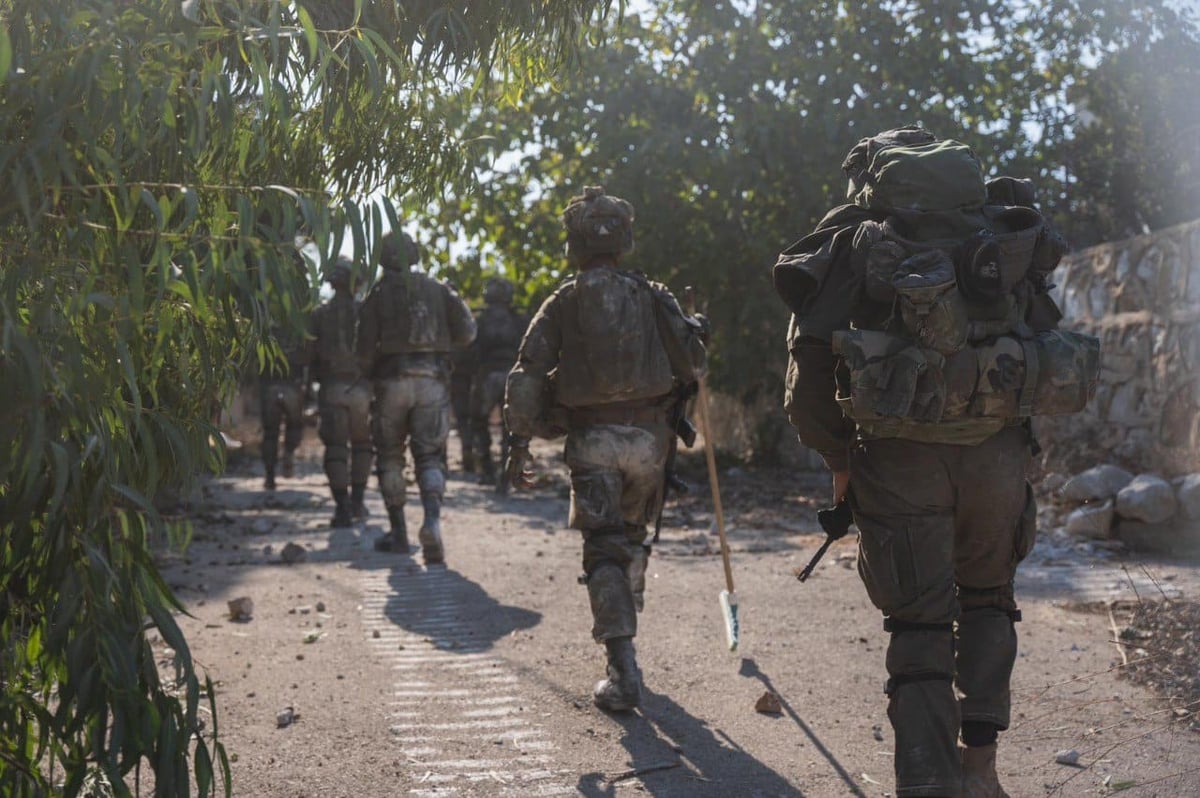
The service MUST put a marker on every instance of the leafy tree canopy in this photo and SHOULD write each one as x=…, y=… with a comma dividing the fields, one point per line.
x=725, y=124
x=161, y=161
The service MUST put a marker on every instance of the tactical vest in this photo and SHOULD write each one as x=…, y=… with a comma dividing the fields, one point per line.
x=941, y=347
x=419, y=314
x=499, y=331
x=611, y=348
x=333, y=325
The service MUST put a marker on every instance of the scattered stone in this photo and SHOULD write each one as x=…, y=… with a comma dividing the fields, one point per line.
x=1053, y=482
x=262, y=526
x=1070, y=757
x=312, y=637
x=1166, y=538
x=1091, y=520
x=305, y=610
x=1188, y=496
x=768, y=704
x=286, y=717
x=241, y=609
x=1147, y=498
x=268, y=550
x=1095, y=484
x=293, y=553
x=375, y=634
x=877, y=733
x=320, y=606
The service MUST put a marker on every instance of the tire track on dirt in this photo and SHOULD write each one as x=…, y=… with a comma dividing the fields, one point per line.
x=459, y=713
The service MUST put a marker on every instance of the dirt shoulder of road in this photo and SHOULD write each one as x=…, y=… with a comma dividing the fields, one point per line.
x=475, y=679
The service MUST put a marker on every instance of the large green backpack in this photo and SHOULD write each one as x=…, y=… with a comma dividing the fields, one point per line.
x=909, y=169
x=931, y=288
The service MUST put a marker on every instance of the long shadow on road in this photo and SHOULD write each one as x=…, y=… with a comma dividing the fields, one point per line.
x=750, y=669
x=675, y=755
x=453, y=612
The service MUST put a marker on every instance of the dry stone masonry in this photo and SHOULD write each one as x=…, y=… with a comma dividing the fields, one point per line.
x=1141, y=297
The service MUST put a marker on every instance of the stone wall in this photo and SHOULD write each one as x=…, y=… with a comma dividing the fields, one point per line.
x=1141, y=297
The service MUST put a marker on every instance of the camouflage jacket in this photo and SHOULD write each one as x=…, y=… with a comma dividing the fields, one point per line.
x=607, y=336
x=410, y=313
x=331, y=329
x=500, y=329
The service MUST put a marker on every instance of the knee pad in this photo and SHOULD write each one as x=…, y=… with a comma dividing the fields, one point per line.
x=432, y=480
x=971, y=599
x=392, y=486
x=919, y=652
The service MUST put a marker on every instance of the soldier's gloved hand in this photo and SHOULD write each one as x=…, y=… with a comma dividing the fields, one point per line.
x=516, y=469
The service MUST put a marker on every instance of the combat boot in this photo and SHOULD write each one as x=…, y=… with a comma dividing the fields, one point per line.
x=622, y=690
x=287, y=468
x=430, y=534
x=397, y=539
x=979, y=779
x=468, y=461
x=341, y=514
x=358, y=509
x=487, y=470
x=269, y=482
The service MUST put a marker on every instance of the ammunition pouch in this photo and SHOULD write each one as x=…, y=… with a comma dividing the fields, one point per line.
x=888, y=379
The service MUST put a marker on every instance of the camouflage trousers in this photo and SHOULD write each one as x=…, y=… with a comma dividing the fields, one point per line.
x=460, y=404
x=487, y=393
x=616, y=490
x=942, y=529
x=281, y=403
x=410, y=411
x=345, y=407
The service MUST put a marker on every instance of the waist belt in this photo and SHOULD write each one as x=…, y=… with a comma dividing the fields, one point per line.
x=424, y=364
x=617, y=413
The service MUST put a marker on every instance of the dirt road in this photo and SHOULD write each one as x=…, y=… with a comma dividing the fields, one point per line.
x=475, y=678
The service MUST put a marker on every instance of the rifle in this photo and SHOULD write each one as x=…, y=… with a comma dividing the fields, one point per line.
x=682, y=430
x=836, y=522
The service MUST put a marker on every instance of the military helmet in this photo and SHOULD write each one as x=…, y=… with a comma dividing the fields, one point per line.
x=341, y=268
x=397, y=250
x=497, y=291
x=597, y=224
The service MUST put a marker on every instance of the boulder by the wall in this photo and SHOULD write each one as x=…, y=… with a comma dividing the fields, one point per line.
x=1092, y=520
x=1188, y=496
x=1148, y=498
x=1095, y=484
x=1172, y=538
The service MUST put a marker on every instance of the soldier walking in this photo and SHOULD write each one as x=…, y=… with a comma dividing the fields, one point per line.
x=281, y=397
x=620, y=348
x=344, y=401
x=408, y=326
x=462, y=376
x=922, y=341
x=500, y=329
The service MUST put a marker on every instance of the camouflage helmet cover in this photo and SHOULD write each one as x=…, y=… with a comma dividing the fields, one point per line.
x=497, y=291
x=398, y=250
x=341, y=268
x=597, y=224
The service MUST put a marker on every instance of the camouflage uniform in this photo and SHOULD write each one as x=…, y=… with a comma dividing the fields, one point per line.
x=345, y=398
x=619, y=347
x=281, y=403
x=407, y=328
x=500, y=329
x=921, y=398
x=462, y=375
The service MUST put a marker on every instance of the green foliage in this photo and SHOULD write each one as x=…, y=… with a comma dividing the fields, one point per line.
x=162, y=160
x=725, y=125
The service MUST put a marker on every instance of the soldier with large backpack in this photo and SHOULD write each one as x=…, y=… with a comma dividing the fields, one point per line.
x=602, y=362
x=408, y=327
x=922, y=342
